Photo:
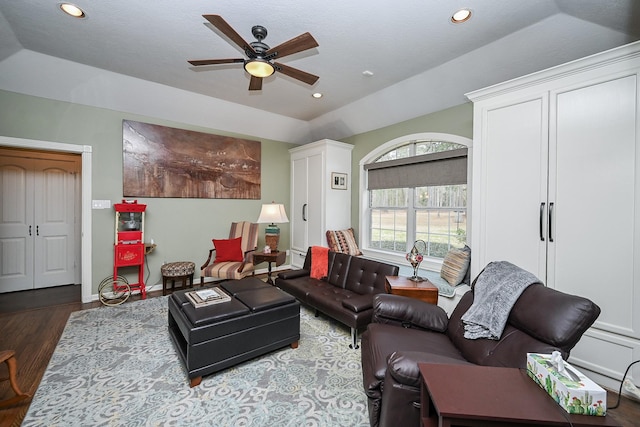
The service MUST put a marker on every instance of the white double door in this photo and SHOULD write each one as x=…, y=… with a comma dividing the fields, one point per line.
x=559, y=188
x=37, y=222
x=556, y=191
x=307, y=193
x=315, y=206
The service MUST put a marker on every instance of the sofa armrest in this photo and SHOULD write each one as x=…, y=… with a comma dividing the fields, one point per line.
x=359, y=303
x=293, y=274
x=409, y=313
x=403, y=367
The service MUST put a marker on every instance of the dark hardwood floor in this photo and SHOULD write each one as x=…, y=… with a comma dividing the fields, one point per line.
x=31, y=323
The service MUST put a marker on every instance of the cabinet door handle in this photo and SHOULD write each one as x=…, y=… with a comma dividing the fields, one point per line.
x=541, y=221
x=550, y=218
x=29, y=230
x=304, y=212
x=37, y=230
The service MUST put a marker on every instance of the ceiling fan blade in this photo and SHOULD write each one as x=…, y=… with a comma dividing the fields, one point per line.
x=255, y=83
x=197, y=62
x=303, y=76
x=297, y=44
x=227, y=30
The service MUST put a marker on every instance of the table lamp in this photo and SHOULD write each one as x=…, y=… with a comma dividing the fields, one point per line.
x=415, y=257
x=272, y=213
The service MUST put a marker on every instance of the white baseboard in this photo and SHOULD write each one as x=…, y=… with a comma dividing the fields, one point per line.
x=196, y=280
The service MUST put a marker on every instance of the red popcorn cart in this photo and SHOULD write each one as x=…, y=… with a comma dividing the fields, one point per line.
x=129, y=247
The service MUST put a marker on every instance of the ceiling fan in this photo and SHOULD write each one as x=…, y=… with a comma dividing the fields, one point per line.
x=260, y=57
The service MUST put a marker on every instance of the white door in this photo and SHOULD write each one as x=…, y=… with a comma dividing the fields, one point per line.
x=37, y=224
x=512, y=171
x=55, y=224
x=300, y=208
x=597, y=189
x=16, y=224
x=315, y=210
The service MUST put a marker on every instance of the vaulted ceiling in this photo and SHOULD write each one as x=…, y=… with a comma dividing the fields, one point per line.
x=418, y=60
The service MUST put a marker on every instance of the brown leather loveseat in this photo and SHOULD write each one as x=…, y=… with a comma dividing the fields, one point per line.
x=407, y=331
x=346, y=294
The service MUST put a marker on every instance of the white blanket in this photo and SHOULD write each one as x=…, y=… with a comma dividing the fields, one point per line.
x=496, y=291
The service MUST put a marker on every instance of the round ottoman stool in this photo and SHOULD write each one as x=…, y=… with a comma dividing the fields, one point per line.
x=177, y=271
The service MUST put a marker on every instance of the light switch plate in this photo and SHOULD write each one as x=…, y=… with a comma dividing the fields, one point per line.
x=101, y=204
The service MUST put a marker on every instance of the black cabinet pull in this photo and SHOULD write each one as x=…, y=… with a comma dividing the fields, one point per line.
x=541, y=222
x=304, y=212
x=550, y=219
x=29, y=230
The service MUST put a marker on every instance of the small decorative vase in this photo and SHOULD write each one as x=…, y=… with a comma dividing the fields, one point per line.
x=415, y=258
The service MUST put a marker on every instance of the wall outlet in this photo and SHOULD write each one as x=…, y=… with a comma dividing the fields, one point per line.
x=288, y=253
x=631, y=388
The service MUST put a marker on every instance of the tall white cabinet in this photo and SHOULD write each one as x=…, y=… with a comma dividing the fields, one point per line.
x=315, y=206
x=556, y=190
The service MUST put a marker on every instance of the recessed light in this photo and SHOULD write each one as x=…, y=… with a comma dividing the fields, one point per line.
x=367, y=73
x=317, y=95
x=463, y=15
x=72, y=10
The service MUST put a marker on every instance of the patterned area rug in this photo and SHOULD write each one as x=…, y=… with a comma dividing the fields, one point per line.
x=118, y=366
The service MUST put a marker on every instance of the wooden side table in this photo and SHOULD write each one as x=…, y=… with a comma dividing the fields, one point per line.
x=468, y=395
x=277, y=257
x=400, y=285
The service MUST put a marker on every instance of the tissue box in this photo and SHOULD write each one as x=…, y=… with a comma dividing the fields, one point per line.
x=577, y=395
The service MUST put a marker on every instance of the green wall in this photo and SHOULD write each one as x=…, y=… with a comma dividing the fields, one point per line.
x=182, y=228
x=456, y=120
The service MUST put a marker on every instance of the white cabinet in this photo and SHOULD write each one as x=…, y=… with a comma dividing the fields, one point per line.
x=556, y=190
x=315, y=206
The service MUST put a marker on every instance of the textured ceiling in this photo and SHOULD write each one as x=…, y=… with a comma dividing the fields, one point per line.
x=398, y=41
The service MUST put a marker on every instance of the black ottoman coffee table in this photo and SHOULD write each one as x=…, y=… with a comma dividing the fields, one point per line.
x=258, y=319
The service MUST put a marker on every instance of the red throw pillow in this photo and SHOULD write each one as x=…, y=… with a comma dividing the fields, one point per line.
x=228, y=250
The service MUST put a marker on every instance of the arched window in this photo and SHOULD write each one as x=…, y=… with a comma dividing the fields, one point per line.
x=415, y=188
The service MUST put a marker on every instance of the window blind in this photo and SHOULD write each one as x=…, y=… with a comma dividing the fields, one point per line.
x=443, y=168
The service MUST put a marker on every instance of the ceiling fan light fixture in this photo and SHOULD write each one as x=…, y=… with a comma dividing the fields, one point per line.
x=463, y=15
x=72, y=10
x=259, y=67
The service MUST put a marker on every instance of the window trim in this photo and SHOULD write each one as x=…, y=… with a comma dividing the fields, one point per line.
x=363, y=194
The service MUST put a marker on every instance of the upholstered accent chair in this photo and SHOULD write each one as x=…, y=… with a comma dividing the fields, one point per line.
x=234, y=256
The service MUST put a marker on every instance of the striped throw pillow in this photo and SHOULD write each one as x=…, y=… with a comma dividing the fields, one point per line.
x=343, y=241
x=455, y=265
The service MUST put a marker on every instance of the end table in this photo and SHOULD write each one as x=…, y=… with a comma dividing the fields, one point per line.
x=469, y=395
x=424, y=290
x=277, y=257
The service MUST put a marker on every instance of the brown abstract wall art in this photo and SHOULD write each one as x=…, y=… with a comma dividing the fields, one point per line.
x=160, y=161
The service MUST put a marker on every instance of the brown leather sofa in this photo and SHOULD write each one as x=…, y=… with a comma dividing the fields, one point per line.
x=407, y=331
x=346, y=294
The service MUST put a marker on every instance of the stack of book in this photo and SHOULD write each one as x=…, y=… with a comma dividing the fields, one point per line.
x=206, y=297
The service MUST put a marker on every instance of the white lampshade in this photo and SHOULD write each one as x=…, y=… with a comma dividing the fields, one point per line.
x=272, y=213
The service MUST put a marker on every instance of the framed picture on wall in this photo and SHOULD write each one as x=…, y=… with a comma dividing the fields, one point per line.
x=338, y=181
